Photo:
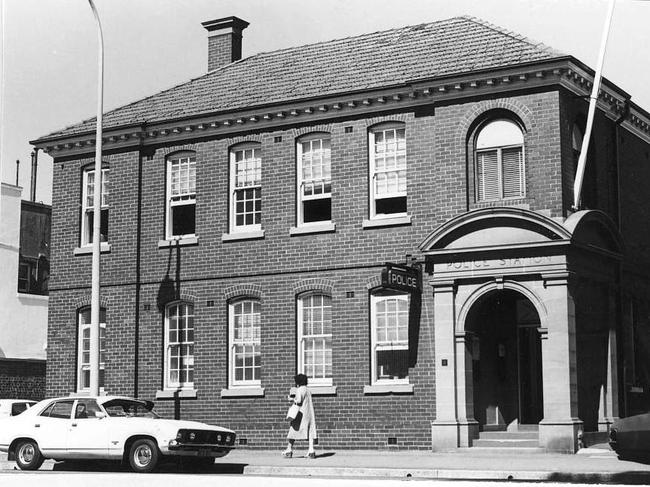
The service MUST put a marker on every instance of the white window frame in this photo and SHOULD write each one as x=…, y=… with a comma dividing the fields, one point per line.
x=88, y=204
x=375, y=298
x=499, y=150
x=316, y=381
x=373, y=172
x=168, y=383
x=256, y=184
x=255, y=342
x=81, y=364
x=326, y=180
x=181, y=198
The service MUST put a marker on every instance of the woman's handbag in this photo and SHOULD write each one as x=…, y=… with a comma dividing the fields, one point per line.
x=293, y=411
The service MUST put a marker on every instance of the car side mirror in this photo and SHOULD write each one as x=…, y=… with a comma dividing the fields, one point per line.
x=100, y=415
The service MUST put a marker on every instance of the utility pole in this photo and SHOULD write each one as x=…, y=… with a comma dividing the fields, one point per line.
x=97, y=217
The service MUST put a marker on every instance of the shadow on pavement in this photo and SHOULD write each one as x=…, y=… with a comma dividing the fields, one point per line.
x=166, y=467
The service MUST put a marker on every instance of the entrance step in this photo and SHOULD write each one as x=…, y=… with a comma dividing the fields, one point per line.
x=521, y=437
x=492, y=450
x=506, y=443
x=508, y=435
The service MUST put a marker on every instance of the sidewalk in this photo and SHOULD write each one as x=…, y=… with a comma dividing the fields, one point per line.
x=589, y=466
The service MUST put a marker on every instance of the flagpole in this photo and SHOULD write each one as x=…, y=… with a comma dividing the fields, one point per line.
x=97, y=216
x=593, y=99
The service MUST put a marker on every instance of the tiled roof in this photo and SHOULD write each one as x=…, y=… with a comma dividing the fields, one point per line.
x=388, y=58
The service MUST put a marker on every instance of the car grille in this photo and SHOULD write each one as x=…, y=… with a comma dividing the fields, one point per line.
x=205, y=437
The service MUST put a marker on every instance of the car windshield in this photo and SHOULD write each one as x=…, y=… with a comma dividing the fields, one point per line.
x=125, y=408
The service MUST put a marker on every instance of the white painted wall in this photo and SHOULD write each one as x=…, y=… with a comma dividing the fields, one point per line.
x=23, y=317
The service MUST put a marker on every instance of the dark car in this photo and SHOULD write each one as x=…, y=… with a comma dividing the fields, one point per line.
x=630, y=438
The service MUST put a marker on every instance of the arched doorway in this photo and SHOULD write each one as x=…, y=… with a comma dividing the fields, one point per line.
x=506, y=357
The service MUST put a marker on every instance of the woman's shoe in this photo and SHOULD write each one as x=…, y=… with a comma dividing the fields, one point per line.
x=287, y=454
x=311, y=455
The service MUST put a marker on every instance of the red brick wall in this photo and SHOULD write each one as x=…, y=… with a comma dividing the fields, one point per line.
x=22, y=379
x=350, y=257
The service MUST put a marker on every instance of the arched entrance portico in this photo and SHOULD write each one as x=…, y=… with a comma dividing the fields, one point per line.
x=506, y=360
x=503, y=282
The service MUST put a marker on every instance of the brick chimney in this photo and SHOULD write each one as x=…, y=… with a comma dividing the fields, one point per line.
x=224, y=40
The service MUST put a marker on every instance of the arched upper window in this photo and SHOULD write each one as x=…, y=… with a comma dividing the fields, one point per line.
x=314, y=178
x=387, y=143
x=88, y=209
x=499, y=159
x=181, y=194
x=246, y=187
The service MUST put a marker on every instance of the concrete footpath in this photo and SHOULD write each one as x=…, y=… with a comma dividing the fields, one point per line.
x=591, y=465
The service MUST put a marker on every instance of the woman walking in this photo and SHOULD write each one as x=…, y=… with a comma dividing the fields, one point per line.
x=303, y=426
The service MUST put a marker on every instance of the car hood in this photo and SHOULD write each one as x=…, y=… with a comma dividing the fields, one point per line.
x=172, y=425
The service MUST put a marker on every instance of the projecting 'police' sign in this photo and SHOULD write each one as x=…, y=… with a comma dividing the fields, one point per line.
x=402, y=278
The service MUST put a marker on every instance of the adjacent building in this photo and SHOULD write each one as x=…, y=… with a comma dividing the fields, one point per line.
x=248, y=217
x=24, y=259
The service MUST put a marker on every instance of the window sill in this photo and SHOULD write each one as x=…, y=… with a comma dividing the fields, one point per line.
x=322, y=390
x=178, y=242
x=243, y=392
x=176, y=393
x=104, y=248
x=36, y=297
x=234, y=236
x=388, y=389
x=308, y=228
x=387, y=222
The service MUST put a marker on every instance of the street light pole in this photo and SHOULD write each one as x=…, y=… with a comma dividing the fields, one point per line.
x=580, y=171
x=97, y=217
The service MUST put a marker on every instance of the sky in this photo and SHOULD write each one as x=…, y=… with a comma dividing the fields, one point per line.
x=48, y=66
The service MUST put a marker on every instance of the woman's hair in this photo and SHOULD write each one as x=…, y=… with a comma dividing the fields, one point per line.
x=300, y=379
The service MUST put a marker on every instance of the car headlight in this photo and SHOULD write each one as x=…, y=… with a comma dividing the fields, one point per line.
x=192, y=436
x=228, y=439
x=179, y=436
x=219, y=438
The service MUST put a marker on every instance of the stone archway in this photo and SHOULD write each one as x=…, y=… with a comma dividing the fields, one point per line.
x=505, y=351
x=493, y=250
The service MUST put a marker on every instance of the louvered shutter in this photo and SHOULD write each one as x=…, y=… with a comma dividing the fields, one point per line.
x=512, y=172
x=488, y=175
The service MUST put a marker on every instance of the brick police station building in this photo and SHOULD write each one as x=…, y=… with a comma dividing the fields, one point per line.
x=250, y=214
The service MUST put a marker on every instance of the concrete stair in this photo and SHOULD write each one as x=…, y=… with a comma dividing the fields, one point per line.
x=521, y=439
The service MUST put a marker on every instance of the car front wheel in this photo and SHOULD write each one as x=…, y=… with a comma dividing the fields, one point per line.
x=143, y=456
x=28, y=456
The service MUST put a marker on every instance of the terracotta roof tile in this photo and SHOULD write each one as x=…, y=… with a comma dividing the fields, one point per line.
x=453, y=46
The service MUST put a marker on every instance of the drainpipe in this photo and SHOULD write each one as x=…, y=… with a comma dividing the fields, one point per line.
x=17, y=170
x=32, y=193
x=577, y=186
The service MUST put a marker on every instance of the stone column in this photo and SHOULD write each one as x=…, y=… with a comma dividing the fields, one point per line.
x=468, y=428
x=608, y=411
x=558, y=431
x=445, y=428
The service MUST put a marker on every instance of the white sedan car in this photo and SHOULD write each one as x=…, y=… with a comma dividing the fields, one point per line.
x=109, y=428
x=13, y=407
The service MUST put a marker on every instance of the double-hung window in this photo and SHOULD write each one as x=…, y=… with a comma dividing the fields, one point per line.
x=387, y=170
x=245, y=343
x=500, y=161
x=83, y=348
x=390, y=354
x=246, y=188
x=179, y=346
x=87, y=207
x=314, y=179
x=315, y=338
x=181, y=195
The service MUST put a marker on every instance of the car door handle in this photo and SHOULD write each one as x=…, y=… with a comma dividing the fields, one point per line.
x=37, y=426
x=74, y=424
